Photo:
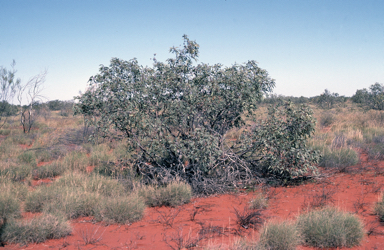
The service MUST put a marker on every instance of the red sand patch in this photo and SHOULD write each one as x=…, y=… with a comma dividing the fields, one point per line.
x=42, y=163
x=89, y=169
x=39, y=182
x=354, y=192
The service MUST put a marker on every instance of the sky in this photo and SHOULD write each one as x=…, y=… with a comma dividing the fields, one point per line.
x=306, y=46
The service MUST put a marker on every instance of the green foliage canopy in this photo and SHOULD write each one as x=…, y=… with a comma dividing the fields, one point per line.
x=175, y=114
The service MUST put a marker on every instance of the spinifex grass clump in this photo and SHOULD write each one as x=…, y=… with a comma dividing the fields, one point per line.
x=48, y=171
x=379, y=208
x=75, y=195
x=278, y=236
x=330, y=227
x=16, y=172
x=260, y=201
x=174, y=194
x=38, y=229
x=338, y=158
x=120, y=210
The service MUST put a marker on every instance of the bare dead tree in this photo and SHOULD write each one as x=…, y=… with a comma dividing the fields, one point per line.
x=32, y=93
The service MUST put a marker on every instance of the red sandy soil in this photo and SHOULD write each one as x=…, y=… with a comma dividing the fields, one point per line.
x=355, y=191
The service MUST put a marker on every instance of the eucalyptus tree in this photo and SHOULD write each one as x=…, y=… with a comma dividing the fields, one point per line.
x=176, y=114
x=8, y=89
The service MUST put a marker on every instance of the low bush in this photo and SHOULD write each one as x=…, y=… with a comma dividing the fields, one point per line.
x=330, y=227
x=379, y=208
x=38, y=229
x=338, y=158
x=174, y=194
x=48, y=171
x=278, y=236
x=120, y=210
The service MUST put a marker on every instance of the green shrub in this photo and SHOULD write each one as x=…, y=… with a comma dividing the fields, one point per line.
x=279, y=236
x=48, y=171
x=38, y=229
x=379, y=208
x=339, y=158
x=174, y=194
x=330, y=227
x=120, y=210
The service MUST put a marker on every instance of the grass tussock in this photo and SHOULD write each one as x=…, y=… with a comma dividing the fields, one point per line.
x=174, y=194
x=48, y=171
x=121, y=210
x=379, y=208
x=38, y=229
x=279, y=236
x=338, y=158
x=330, y=227
x=258, y=202
x=16, y=172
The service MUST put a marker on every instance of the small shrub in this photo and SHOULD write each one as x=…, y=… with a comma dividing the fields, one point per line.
x=330, y=227
x=174, y=194
x=120, y=210
x=279, y=236
x=258, y=202
x=379, y=208
x=48, y=171
x=36, y=230
x=339, y=158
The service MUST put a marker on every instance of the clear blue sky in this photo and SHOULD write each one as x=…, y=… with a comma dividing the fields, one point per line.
x=307, y=46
